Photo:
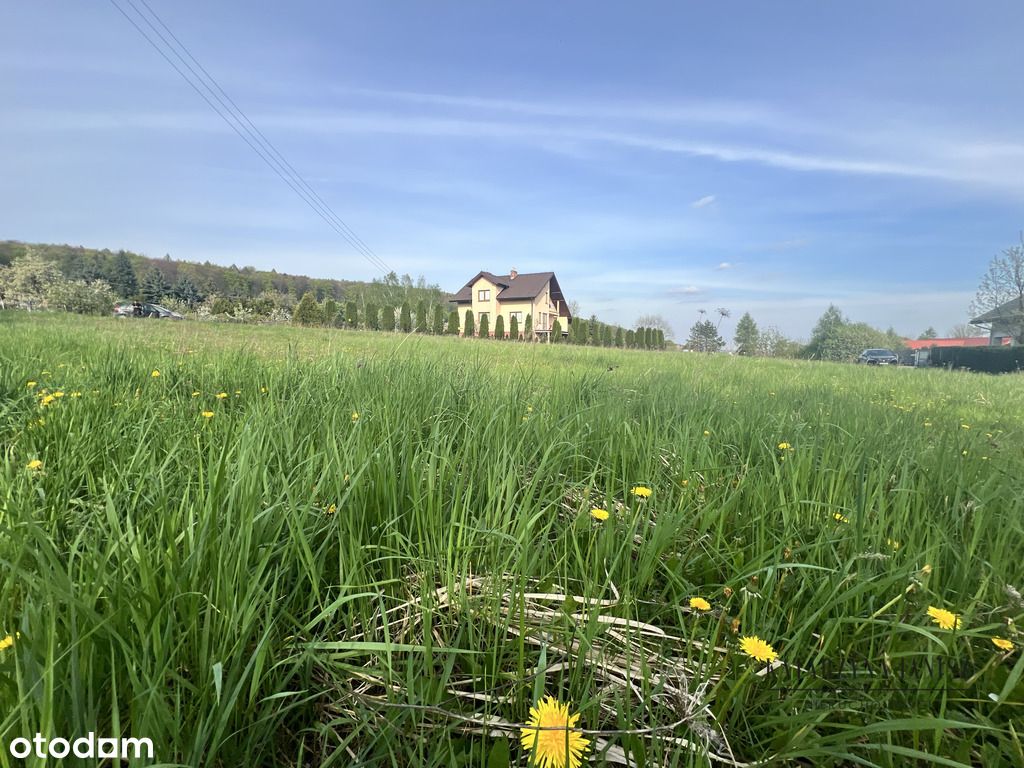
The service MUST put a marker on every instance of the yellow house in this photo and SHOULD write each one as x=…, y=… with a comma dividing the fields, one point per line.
x=536, y=294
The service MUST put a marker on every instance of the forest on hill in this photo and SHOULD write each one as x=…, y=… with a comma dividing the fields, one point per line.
x=223, y=290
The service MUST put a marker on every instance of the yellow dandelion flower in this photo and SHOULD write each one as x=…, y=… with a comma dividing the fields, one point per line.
x=263, y=390
x=784, y=446
x=330, y=509
x=47, y=400
x=34, y=465
x=706, y=433
x=155, y=374
x=222, y=395
x=642, y=491
x=840, y=517
x=1002, y=643
x=894, y=543
x=8, y=641
x=355, y=416
x=684, y=483
x=529, y=409
x=599, y=514
x=30, y=384
x=965, y=426
x=926, y=570
x=756, y=648
x=197, y=393
x=58, y=394
x=551, y=737
x=238, y=391
x=207, y=414
x=699, y=604
x=76, y=394
x=927, y=423
x=945, y=619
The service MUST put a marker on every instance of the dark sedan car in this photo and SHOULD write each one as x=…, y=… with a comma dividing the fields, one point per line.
x=878, y=357
x=138, y=309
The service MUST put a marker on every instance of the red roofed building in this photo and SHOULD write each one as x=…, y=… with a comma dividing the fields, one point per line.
x=922, y=348
x=970, y=341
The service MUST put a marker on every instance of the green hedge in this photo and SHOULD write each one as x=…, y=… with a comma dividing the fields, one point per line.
x=984, y=359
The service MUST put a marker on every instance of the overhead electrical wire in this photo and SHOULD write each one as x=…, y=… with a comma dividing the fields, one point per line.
x=240, y=123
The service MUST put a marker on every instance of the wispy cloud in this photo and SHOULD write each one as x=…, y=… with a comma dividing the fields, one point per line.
x=703, y=202
x=901, y=153
x=725, y=265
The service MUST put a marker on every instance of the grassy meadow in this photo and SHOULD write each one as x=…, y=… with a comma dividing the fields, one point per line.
x=266, y=546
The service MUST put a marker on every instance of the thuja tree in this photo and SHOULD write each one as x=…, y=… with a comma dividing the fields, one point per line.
x=330, y=311
x=453, y=322
x=351, y=315
x=620, y=339
x=499, y=327
x=387, y=318
x=421, y=317
x=372, y=317
x=406, y=319
x=606, y=336
x=630, y=339
x=485, y=329
x=469, y=327
x=438, y=327
x=528, y=329
x=556, y=332
x=513, y=328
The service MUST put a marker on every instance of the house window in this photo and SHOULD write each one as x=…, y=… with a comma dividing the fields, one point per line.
x=483, y=295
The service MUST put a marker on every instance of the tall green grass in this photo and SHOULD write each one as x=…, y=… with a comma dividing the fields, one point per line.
x=320, y=573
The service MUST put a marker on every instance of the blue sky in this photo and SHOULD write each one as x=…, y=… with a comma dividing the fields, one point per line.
x=659, y=157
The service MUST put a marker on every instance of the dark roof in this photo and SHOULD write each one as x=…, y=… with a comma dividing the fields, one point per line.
x=1009, y=309
x=526, y=285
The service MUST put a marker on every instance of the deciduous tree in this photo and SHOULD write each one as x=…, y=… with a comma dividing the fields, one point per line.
x=308, y=311
x=654, y=321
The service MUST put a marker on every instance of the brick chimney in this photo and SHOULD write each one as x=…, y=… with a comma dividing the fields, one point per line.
x=512, y=274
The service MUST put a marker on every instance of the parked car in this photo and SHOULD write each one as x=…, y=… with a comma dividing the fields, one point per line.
x=878, y=357
x=139, y=309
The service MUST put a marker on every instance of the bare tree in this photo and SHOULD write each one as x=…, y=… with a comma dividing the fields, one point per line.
x=964, y=331
x=654, y=321
x=1003, y=282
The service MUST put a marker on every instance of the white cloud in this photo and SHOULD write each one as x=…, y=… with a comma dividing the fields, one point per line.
x=724, y=265
x=898, y=153
x=703, y=202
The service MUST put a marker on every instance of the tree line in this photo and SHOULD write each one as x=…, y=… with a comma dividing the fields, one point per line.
x=33, y=275
x=436, y=319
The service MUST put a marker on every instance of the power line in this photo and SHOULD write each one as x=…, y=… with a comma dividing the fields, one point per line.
x=246, y=129
x=362, y=246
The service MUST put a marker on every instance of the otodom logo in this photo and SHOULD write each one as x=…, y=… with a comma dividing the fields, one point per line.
x=85, y=746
